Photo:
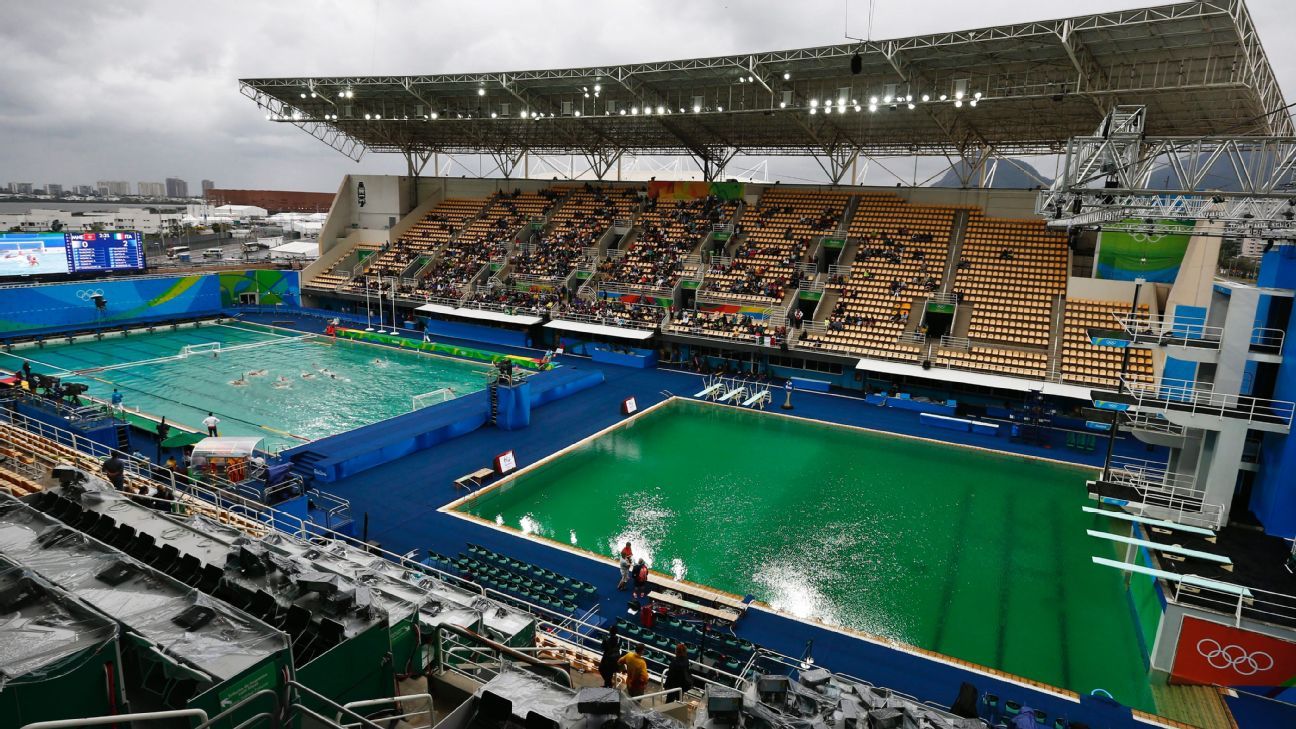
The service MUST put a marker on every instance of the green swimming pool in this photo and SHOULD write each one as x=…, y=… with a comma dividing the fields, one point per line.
x=266, y=381
x=976, y=555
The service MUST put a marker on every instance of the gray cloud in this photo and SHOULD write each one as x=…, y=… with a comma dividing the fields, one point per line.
x=144, y=90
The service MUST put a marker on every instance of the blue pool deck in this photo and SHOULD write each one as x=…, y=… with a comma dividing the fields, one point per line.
x=401, y=500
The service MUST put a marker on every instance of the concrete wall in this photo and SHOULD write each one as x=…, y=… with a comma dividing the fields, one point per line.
x=1105, y=290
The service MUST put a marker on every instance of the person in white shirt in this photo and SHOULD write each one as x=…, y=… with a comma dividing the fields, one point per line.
x=211, y=421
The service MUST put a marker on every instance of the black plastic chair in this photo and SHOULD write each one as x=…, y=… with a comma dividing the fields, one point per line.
x=264, y=606
x=140, y=547
x=210, y=580
x=188, y=569
x=166, y=557
x=124, y=535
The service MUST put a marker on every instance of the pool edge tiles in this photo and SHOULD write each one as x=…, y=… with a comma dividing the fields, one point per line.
x=457, y=507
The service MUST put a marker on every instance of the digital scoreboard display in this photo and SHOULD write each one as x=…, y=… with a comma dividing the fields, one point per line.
x=40, y=254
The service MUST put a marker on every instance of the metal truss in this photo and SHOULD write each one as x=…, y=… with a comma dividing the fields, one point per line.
x=1038, y=85
x=1108, y=181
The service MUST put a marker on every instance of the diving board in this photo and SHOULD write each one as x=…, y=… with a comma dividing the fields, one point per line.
x=1167, y=548
x=1192, y=580
x=731, y=394
x=1147, y=521
x=583, y=327
x=757, y=398
x=710, y=389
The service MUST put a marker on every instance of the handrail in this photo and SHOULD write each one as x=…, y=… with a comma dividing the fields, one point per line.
x=431, y=713
x=144, y=716
x=1200, y=397
x=499, y=648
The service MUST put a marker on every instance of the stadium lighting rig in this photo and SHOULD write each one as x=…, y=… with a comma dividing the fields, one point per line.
x=1106, y=182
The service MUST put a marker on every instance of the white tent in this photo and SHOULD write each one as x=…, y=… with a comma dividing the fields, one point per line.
x=298, y=249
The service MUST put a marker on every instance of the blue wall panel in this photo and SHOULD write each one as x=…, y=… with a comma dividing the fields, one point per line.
x=51, y=308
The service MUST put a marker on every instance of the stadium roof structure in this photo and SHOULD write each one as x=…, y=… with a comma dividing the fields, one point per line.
x=1024, y=88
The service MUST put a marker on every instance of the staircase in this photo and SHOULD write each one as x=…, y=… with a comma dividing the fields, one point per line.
x=123, y=437
x=1055, y=336
x=962, y=321
x=955, y=250
x=304, y=464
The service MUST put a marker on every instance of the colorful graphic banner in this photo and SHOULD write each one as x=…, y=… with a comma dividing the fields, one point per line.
x=1125, y=256
x=694, y=190
x=1221, y=655
x=477, y=355
x=272, y=287
x=662, y=301
x=755, y=312
x=62, y=307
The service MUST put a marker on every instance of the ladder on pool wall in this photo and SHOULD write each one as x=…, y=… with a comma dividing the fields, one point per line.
x=494, y=402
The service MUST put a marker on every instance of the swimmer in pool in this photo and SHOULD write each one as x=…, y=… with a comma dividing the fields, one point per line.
x=256, y=373
x=307, y=376
x=240, y=382
x=281, y=385
x=281, y=378
x=379, y=362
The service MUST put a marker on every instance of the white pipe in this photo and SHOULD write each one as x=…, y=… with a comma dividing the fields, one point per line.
x=119, y=719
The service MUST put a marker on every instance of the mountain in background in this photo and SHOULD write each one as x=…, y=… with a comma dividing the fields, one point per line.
x=1007, y=176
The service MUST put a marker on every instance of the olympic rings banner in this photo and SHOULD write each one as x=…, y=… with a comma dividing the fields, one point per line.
x=1215, y=654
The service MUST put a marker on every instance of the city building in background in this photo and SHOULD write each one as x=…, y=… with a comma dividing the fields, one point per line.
x=151, y=189
x=117, y=188
x=53, y=189
x=207, y=185
x=176, y=187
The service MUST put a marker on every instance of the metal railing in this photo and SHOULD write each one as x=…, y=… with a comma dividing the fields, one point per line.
x=962, y=344
x=1143, y=324
x=1200, y=398
x=1151, y=422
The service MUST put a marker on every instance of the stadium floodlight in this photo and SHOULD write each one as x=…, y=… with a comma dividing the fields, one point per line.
x=873, y=100
x=433, y=115
x=341, y=94
x=943, y=97
x=973, y=102
x=576, y=112
x=623, y=112
x=312, y=94
x=911, y=105
x=634, y=110
x=378, y=116
x=926, y=97
x=857, y=108
x=786, y=75
x=782, y=105
x=597, y=88
x=661, y=109
x=481, y=92
x=958, y=103
x=697, y=108
x=872, y=107
x=814, y=103
x=719, y=108
x=494, y=115
x=886, y=99
x=350, y=94
x=647, y=111
x=977, y=95
x=841, y=102
x=303, y=95
x=368, y=116
x=827, y=109
x=814, y=110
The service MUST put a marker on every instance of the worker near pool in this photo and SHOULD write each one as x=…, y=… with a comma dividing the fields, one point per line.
x=636, y=673
x=624, y=564
x=115, y=470
x=116, y=399
x=640, y=575
x=211, y=421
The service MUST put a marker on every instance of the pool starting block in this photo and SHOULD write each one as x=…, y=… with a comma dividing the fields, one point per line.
x=710, y=389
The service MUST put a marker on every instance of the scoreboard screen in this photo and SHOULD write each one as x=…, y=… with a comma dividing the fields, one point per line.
x=104, y=251
x=39, y=254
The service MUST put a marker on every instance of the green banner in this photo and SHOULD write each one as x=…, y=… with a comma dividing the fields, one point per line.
x=477, y=355
x=1125, y=256
x=935, y=307
x=834, y=242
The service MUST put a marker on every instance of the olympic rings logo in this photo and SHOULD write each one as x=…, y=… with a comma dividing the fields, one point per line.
x=1235, y=657
x=1146, y=237
x=88, y=294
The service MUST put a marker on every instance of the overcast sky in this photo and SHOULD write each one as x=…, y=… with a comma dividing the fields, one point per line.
x=139, y=91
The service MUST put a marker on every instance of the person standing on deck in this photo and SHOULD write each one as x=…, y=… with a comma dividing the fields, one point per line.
x=116, y=400
x=611, y=657
x=624, y=564
x=211, y=421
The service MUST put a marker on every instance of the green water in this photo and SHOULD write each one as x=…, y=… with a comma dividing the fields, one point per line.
x=976, y=555
x=368, y=383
